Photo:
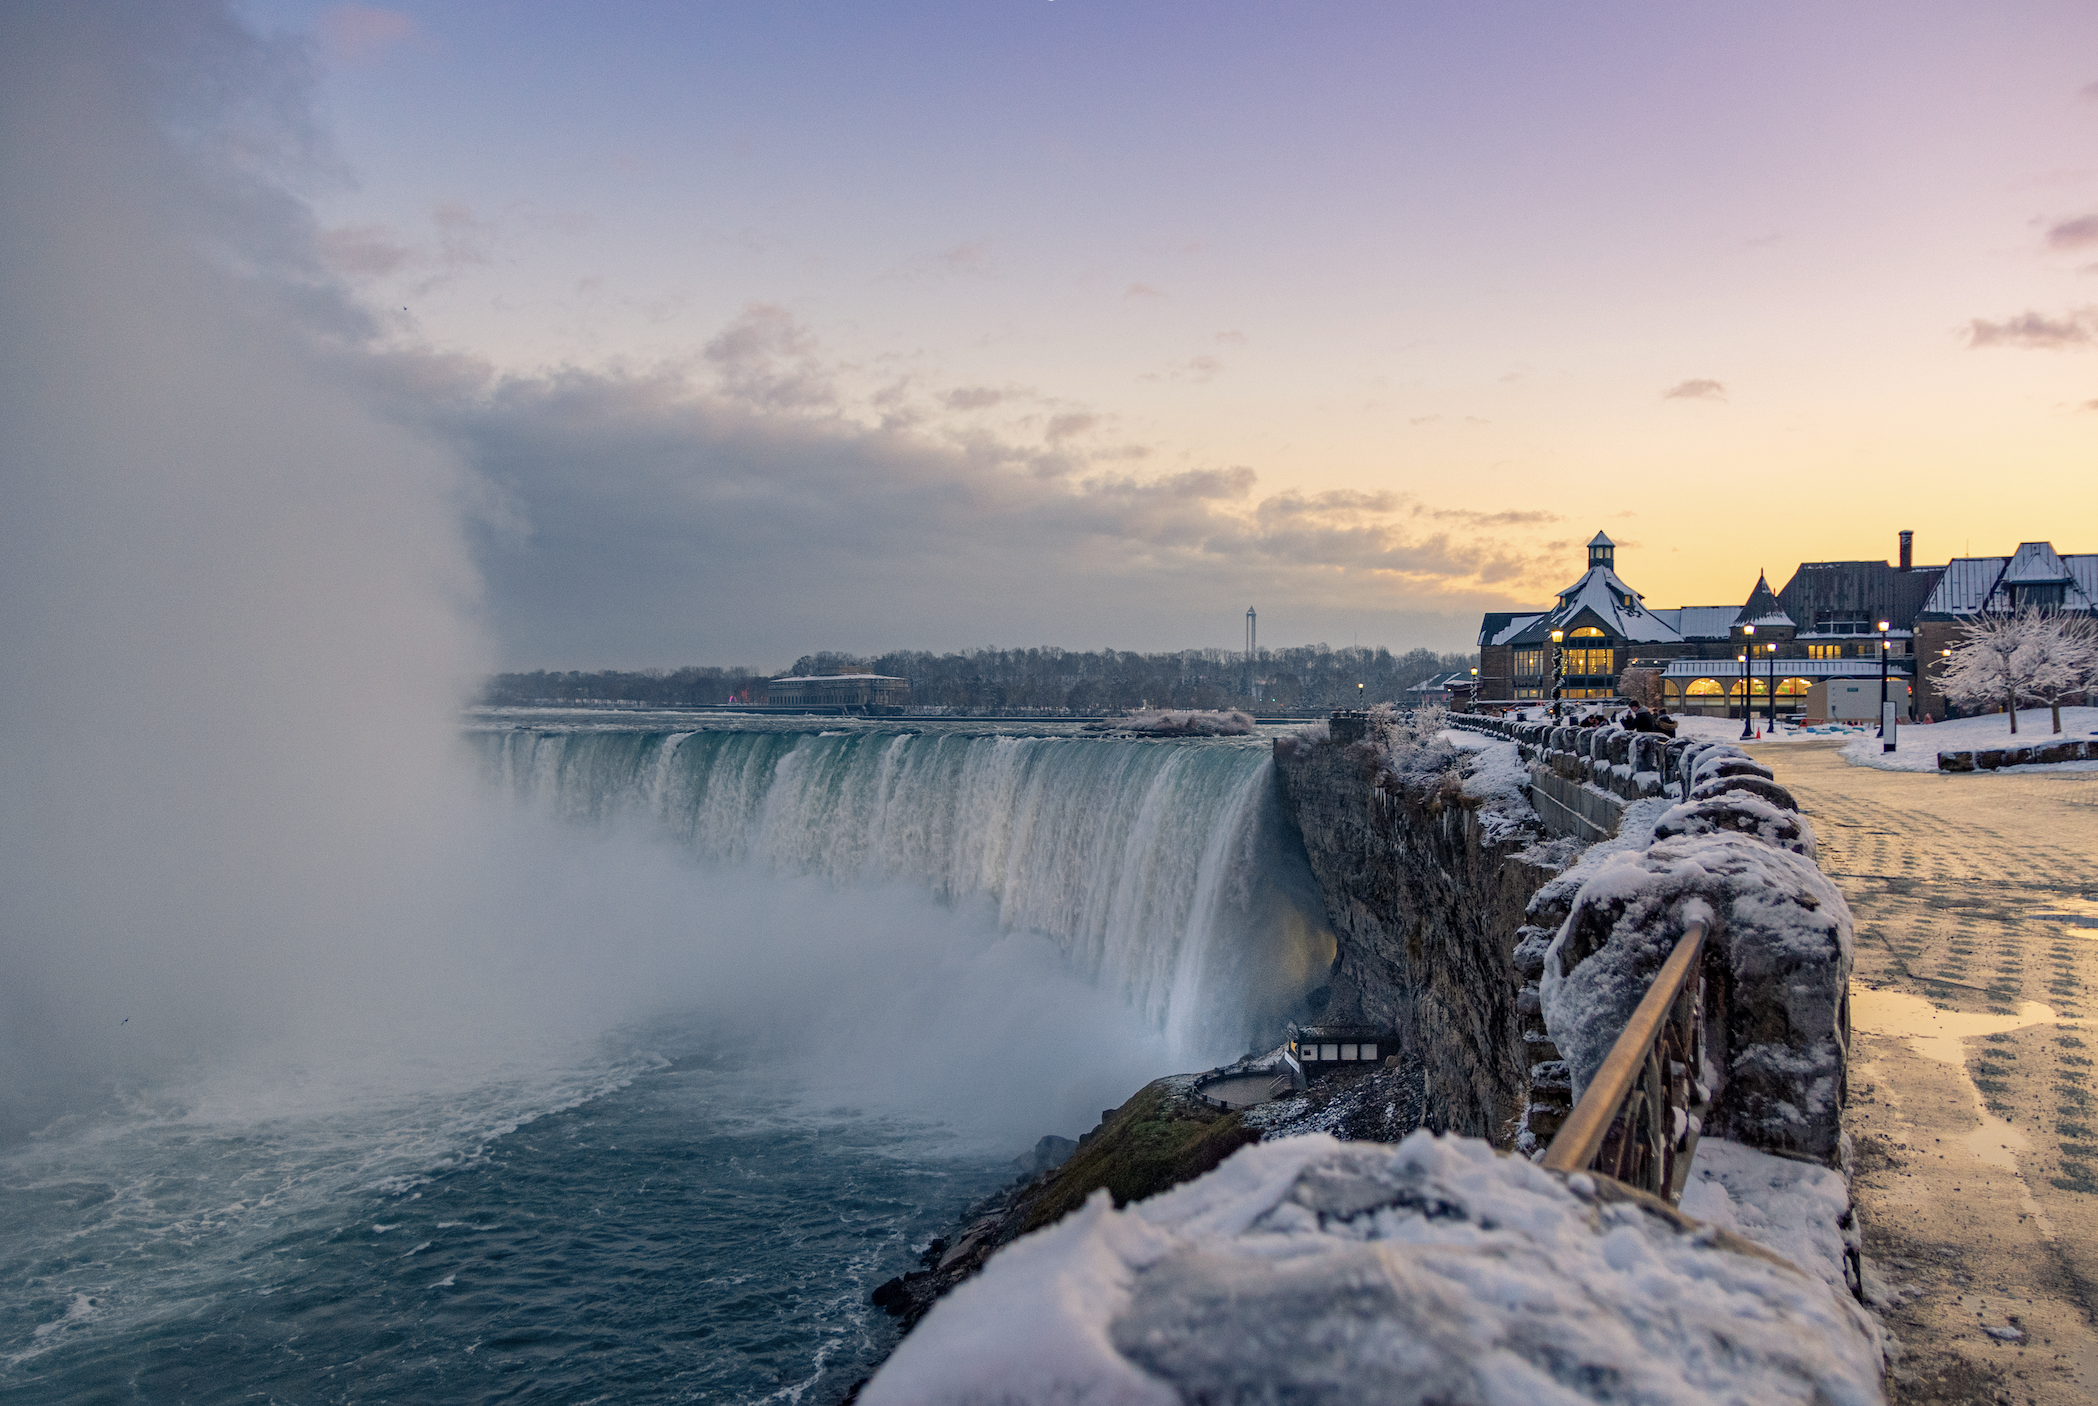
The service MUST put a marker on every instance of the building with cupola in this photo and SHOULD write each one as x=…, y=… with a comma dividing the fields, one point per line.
x=1814, y=640
x=1598, y=625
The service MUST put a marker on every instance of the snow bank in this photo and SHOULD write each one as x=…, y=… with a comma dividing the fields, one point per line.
x=1497, y=781
x=1918, y=744
x=1794, y=1209
x=1309, y=1270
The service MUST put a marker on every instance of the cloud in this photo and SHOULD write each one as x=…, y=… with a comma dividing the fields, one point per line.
x=1062, y=427
x=462, y=236
x=630, y=496
x=357, y=34
x=768, y=361
x=2079, y=233
x=2034, y=331
x=1695, y=390
x=973, y=398
x=364, y=251
x=973, y=258
x=1229, y=339
x=1141, y=290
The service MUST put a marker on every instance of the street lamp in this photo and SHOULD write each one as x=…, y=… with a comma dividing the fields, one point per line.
x=1886, y=709
x=1558, y=638
x=1748, y=702
x=1770, y=707
x=1748, y=692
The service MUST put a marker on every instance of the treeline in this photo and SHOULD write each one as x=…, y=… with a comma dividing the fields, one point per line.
x=1036, y=680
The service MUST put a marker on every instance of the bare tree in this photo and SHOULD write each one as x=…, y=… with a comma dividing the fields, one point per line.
x=1994, y=662
x=2063, y=653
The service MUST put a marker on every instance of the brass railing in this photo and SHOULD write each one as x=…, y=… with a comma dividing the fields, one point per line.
x=1639, y=1119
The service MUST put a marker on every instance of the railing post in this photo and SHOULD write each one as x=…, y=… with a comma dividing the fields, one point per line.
x=1637, y=1092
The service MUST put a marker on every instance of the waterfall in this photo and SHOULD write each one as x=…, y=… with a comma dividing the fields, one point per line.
x=1164, y=871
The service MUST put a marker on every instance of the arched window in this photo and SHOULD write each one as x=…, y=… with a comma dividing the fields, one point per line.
x=1588, y=632
x=1793, y=688
x=1704, y=688
x=1762, y=688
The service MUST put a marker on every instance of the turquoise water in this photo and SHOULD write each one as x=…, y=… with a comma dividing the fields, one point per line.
x=697, y=1234
x=930, y=946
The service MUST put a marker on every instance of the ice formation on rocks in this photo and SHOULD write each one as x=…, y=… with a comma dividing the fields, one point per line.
x=1436, y=1271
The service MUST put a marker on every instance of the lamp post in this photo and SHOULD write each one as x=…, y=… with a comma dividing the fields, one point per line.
x=1558, y=637
x=1770, y=708
x=1748, y=702
x=1886, y=708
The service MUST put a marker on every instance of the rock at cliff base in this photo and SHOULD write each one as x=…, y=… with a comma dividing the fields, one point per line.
x=1309, y=1270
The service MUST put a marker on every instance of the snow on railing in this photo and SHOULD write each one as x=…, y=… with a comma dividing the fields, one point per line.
x=1639, y=1119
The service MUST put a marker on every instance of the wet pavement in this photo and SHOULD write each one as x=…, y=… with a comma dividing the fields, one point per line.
x=1976, y=1173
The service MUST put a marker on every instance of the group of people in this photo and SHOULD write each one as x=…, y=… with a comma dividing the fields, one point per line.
x=1637, y=718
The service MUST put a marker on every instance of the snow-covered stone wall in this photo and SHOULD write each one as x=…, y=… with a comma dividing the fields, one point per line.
x=1311, y=1270
x=1777, y=965
x=1427, y=854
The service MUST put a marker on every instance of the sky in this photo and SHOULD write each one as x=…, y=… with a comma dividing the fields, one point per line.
x=763, y=328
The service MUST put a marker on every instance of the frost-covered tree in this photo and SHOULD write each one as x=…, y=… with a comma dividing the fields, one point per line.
x=1993, y=662
x=2063, y=653
x=2033, y=656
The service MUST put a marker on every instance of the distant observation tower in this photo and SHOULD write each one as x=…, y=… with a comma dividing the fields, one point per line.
x=1252, y=648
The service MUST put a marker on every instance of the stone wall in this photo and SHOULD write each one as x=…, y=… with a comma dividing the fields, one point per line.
x=2054, y=749
x=1425, y=887
x=1447, y=904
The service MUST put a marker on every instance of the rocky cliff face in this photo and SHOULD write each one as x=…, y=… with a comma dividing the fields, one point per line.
x=1426, y=872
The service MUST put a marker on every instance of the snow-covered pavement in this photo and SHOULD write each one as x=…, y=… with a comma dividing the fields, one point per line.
x=1972, y=1100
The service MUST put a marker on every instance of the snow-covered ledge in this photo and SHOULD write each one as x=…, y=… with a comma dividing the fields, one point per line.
x=1436, y=1270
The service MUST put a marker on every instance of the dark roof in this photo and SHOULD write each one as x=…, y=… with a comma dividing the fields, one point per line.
x=1762, y=607
x=1862, y=590
x=1497, y=622
x=1975, y=584
x=1341, y=1032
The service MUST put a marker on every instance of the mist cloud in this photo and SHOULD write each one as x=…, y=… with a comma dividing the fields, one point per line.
x=253, y=565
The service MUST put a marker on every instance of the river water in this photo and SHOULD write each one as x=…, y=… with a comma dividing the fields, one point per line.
x=1020, y=926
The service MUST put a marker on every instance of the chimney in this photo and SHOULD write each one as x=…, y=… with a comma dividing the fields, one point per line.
x=1908, y=549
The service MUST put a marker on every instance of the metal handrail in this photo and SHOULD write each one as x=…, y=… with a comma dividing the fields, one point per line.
x=1652, y=1068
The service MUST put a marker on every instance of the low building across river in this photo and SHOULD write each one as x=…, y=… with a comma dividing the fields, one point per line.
x=852, y=693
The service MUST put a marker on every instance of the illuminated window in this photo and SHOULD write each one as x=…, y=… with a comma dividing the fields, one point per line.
x=1824, y=651
x=1762, y=688
x=1587, y=661
x=1705, y=688
x=1588, y=632
x=1529, y=661
x=1794, y=688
